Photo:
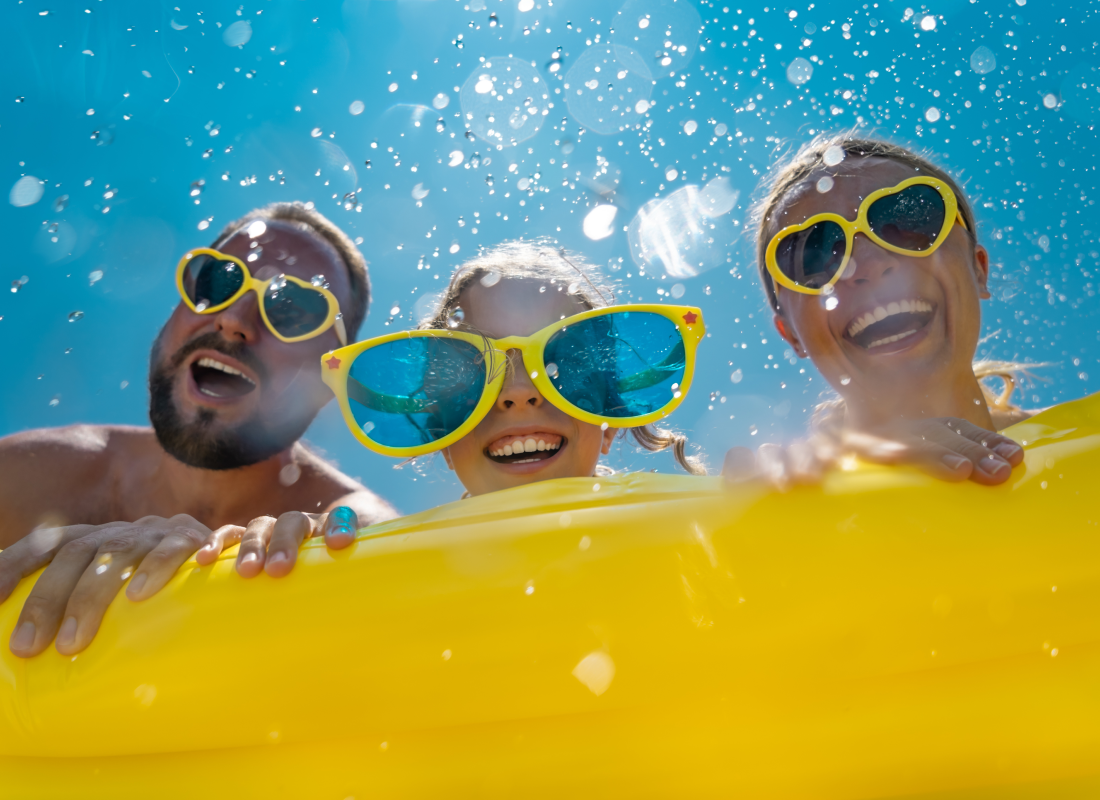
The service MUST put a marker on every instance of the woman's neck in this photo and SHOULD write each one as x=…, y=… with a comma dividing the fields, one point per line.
x=961, y=398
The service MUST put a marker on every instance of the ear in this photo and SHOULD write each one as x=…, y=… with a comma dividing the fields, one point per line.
x=789, y=335
x=981, y=270
x=608, y=438
x=446, y=451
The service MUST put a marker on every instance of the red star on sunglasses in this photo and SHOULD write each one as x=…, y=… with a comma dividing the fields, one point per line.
x=333, y=362
x=690, y=317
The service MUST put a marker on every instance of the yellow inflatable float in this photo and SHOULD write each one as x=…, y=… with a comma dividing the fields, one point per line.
x=883, y=635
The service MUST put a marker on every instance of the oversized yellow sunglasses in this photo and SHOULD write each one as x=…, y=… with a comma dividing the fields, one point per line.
x=415, y=392
x=292, y=309
x=912, y=218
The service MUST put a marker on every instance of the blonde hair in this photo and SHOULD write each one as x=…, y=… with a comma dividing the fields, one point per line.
x=829, y=415
x=543, y=259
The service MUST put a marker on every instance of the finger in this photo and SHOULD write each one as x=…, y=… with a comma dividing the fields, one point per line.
x=739, y=464
x=250, y=556
x=287, y=535
x=340, y=527
x=997, y=443
x=100, y=582
x=989, y=468
x=771, y=464
x=33, y=552
x=803, y=463
x=220, y=540
x=41, y=615
x=162, y=562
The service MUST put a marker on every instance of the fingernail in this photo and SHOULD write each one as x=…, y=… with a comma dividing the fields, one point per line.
x=275, y=558
x=953, y=461
x=340, y=530
x=23, y=637
x=247, y=557
x=1007, y=449
x=207, y=546
x=136, y=584
x=991, y=465
x=67, y=633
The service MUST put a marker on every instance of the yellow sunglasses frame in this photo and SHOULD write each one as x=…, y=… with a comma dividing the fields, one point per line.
x=335, y=367
x=251, y=284
x=859, y=225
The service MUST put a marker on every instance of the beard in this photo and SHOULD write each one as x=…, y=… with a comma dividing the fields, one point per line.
x=202, y=442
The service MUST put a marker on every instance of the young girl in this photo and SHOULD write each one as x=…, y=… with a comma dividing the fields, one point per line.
x=869, y=258
x=566, y=372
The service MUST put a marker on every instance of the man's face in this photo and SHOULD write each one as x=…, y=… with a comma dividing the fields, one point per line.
x=224, y=391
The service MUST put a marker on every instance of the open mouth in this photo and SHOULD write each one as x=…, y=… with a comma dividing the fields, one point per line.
x=216, y=379
x=890, y=323
x=525, y=449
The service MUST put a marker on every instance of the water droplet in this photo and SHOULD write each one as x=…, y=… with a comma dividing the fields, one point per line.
x=595, y=487
x=552, y=369
x=825, y=184
x=490, y=279
x=76, y=315
x=26, y=191
x=833, y=155
x=61, y=203
x=598, y=223
x=393, y=87
x=736, y=376
x=368, y=427
x=845, y=380
x=526, y=5
x=603, y=426
x=238, y=34
x=831, y=303
x=671, y=174
x=95, y=276
x=983, y=61
x=932, y=114
x=319, y=281
x=799, y=71
x=928, y=23
x=395, y=311
x=1050, y=101
x=677, y=291
x=207, y=153
x=489, y=180
x=608, y=107
x=440, y=125
x=690, y=127
x=196, y=187
x=441, y=101
x=356, y=108
x=256, y=228
x=20, y=99
x=316, y=132
x=454, y=248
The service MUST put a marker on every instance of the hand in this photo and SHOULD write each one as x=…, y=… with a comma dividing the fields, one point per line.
x=271, y=545
x=947, y=448
x=88, y=564
x=801, y=462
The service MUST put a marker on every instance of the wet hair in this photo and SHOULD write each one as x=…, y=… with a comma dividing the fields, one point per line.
x=307, y=218
x=543, y=259
x=809, y=158
x=791, y=172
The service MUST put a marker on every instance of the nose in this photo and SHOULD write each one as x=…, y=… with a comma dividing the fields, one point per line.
x=518, y=390
x=240, y=322
x=868, y=262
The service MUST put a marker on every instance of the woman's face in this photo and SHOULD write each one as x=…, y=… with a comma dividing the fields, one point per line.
x=523, y=438
x=899, y=323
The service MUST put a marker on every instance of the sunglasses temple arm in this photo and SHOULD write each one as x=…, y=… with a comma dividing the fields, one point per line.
x=341, y=331
x=387, y=403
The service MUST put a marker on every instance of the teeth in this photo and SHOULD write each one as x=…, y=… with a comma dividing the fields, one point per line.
x=890, y=339
x=528, y=445
x=212, y=364
x=880, y=313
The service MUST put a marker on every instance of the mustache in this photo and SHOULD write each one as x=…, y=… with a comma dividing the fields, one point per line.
x=217, y=342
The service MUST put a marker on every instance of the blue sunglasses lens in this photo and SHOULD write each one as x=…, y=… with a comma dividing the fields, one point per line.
x=620, y=365
x=415, y=391
x=209, y=281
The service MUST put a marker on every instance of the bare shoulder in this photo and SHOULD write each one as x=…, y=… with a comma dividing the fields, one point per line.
x=328, y=487
x=58, y=474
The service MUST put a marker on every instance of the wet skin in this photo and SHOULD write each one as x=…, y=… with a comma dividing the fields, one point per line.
x=98, y=474
x=516, y=307
x=928, y=372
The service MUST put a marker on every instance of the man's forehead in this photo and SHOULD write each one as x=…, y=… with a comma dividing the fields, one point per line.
x=288, y=247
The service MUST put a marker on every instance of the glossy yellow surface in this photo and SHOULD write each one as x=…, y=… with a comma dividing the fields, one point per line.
x=882, y=635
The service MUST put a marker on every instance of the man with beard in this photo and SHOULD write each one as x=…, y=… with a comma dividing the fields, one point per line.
x=231, y=392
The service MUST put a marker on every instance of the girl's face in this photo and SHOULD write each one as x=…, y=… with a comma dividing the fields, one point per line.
x=924, y=312
x=523, y=438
